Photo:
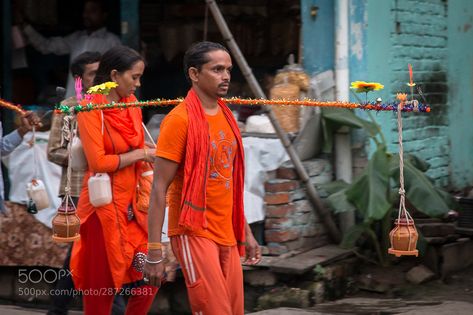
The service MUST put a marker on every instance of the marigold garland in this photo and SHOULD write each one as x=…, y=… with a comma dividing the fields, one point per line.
x=408, y=107
x=12, y=106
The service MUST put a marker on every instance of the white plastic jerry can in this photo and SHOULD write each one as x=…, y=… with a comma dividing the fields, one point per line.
x=100, y=190
x=79, y=161
x=37, y=192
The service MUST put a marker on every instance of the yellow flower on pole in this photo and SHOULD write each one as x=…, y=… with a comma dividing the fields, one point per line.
x=103, y=88
x=365, y=87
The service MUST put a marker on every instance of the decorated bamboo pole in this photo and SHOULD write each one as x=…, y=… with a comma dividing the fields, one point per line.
x=314, y=198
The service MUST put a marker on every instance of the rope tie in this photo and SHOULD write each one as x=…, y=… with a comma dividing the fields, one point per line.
x=403, y=213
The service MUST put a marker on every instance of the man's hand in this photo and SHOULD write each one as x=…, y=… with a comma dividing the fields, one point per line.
x=28, y=120
x=153, y=273
x=253, y=251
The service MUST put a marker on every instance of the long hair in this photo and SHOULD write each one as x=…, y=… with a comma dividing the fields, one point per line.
x=196, y=55
x=120, y=58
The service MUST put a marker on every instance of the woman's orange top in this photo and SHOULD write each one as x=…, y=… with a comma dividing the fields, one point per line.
x=122, y=237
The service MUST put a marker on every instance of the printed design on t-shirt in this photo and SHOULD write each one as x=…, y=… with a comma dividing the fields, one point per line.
x=221, y=158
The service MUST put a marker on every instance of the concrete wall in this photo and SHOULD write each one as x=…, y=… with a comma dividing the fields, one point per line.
x=460, y=91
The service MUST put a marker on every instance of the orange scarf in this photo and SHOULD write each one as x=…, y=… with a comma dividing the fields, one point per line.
x=197, y=165
x=121, y=120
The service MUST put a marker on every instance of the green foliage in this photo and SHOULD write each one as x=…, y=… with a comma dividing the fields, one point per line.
x=375, y=191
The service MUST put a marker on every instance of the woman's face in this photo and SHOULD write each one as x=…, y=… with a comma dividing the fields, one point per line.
x=128, y=81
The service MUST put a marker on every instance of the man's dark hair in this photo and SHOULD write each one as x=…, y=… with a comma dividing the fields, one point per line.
x=120, y=58
x=102, y=5
x=79, y=63
x=196, y=55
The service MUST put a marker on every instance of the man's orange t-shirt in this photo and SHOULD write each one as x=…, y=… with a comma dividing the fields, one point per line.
x=172, y=146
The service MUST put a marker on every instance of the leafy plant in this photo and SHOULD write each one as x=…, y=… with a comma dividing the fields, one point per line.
x=374, y=192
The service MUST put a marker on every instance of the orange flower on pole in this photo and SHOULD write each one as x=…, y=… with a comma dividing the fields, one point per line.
x=365, y=87
x=401, y=96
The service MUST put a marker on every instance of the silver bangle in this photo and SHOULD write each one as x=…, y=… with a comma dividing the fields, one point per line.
x=154, y=262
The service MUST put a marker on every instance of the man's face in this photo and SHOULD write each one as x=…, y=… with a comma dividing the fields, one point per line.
x=89, y=74
x=94, y=17
x=214, y=76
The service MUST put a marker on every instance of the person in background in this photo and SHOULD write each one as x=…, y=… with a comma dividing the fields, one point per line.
x=9, y=142
x=200, y=167
x=108, y=256
x=95, y=37
x=83, y=66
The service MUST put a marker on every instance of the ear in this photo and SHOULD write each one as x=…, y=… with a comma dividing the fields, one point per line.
x=114, y=75
x=193, y=74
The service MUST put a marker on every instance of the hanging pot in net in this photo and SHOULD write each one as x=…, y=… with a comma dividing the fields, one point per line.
x=66, y=223
x=403, y=238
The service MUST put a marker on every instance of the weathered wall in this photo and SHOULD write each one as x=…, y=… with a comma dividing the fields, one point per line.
x=460, y=91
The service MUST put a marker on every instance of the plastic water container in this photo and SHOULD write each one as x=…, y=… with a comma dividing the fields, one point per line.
x=79, y=161
x=100, y=190
x=37, y=192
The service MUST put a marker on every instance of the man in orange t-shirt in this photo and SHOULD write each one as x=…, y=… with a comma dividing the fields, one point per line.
x=200, y=167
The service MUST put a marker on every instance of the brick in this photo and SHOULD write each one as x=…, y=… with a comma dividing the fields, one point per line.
x=281, y=235
x=298, y=194
x=286, y=173
x=302, y=218
x=313, y=167
x=312, y=230
x=278, y=223
x=276, y=249
x=302, y=206
x=277, y=198
x=323, y=178
x=294, y=245
x=271, y=174
x=280, y=211
x=281, y=185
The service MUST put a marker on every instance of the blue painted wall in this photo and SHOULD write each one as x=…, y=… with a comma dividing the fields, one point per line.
x=460, y=91
x=318, y=36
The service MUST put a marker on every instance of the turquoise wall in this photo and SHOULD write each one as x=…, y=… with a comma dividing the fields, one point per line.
x=400, y=32
x=460, y=91
x=318, y=36
x=436, y=37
